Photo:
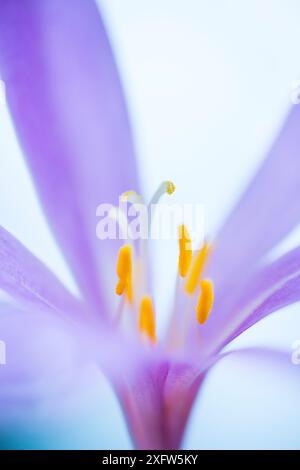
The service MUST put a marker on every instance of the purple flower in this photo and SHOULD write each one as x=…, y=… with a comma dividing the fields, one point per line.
x=66, y=102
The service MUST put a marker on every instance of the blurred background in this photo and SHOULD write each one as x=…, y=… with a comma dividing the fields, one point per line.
x=208, y=85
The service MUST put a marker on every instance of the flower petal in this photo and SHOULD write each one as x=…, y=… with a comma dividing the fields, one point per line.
x=52, y=392
x=39, y=349
x=42, y=352
x=287, y=293
x=267, y=211
x=249, y=400
x=269, y=289
x=27, y=280
x=157, y=401
x=66, y=101
x=82, y=415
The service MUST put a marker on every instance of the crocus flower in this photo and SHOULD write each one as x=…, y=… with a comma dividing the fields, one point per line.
x=66, y=101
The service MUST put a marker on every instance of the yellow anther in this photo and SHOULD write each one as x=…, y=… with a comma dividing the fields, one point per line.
x=124, y=272
x=124, y=265
x=185, y=251
x=120, y=287
x=197, y=268
x=170, y=187
x=205, y=301
x=129, y=290
x=146, y=318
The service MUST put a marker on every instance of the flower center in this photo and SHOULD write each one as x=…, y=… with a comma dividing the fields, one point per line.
x=195, y=292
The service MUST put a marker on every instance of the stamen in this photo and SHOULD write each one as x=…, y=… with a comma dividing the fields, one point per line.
x=197, y=268
x=205, y=301
x=167, y=187
x=124, y=272
x=137, y=200
x=146, y=318
x=185, y=251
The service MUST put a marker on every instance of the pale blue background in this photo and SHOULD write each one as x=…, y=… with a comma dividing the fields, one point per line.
x=208, y=84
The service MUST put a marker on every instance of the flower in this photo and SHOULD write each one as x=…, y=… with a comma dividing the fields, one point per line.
x=66, y=101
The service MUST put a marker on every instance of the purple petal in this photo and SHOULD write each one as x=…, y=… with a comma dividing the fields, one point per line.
x=269, y=289
x=66, y=101
x=157, y=402
x=288, y=293
x=267, y=211
x=27, y=280
x=82, y=415
x=39, y=349
x=159, y=399
x=252, y=394
x=44, y=353
x=51, y=391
